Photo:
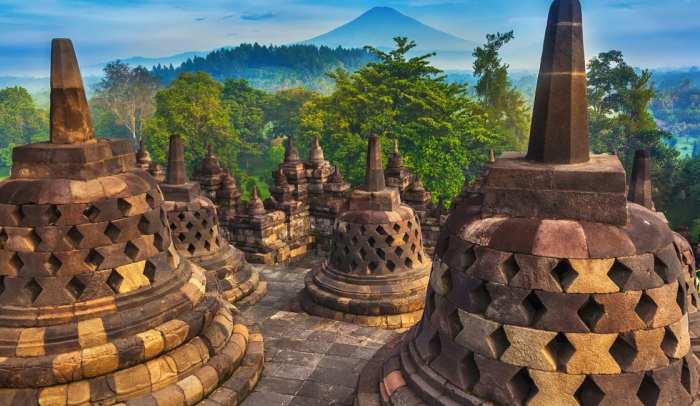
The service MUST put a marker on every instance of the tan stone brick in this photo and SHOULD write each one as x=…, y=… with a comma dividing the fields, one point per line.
x=91, y=333
x=192, y=388
x=53, y=396
x=153, y=343
x=592, y=354
x=134, y=278
x=680, y=331
x=649, y=354
x=592, y=276
x=208, y=377
x=67, y=367
x=555, y=388
x=170, y=395
x=475, y=333
x=162, y=372
x=132, y=381
x=78, y=393
x=667, y=310
x=528, y=348
x=174, y=333
x=31, y=342
x=393, y=381
x=100, y=360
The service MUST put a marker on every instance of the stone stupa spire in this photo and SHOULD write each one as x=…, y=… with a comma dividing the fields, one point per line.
x=176, y=162
x=70, y=115
x=290, y=153
x=374, y=172
x=559, y=132
x=640, y=181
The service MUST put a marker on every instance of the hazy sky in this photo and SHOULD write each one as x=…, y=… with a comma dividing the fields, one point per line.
x=651, y=33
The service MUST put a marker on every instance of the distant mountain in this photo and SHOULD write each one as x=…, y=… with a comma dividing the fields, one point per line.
x=378, y=26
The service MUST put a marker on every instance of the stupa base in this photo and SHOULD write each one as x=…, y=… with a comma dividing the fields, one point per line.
x=385, y=321
x=230, y=274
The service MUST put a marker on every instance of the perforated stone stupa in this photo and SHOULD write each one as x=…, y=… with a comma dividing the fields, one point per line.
x=377, y=272
x=96, y=305
x=195, y=228
x=555, y=290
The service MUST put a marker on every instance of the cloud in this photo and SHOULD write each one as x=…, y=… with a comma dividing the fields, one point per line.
x=258, y=17
x=200, y=19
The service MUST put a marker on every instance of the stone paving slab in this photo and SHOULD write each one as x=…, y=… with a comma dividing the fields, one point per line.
x=309, y=361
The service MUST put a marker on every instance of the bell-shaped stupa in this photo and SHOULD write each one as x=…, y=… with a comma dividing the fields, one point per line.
x=555, y=290
x=377, y=271
x=96, y=305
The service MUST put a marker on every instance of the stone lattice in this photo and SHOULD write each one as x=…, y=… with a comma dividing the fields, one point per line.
x=194, y=224
x=550, y=289
x=96, y=305
x=377, y=270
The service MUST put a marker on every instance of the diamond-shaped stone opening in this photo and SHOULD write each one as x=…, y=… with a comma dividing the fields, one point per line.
x=591, y=312
x=685, y=377
x=561, y=350
x=158, y=242
x=198, y=236
x=522, y=387
x=34, y=289
x=363, y=229
x=623, y=351
x=479, y=299
x=53, y=264
x=34, y=239
x=405, y=237
x=420, y=258
x=16, y=262
x=371, y=241
x=94, y=258
x=498, y=341
x=113, y=232
x=181, y=216
x=662, y=270
x=53, y=214
x=380, y=230
x=511, y=267
x=380, y=253
x=620, y=274
x=469, y=371
x=534, y=307
x=207, y=245
x=114, y=281
x=124, y=206
x=191, y=249
x=454, y=324
x=670, y=342
x=353, y=265
x=682, y=298
x=354, y=240
x=2, y=285
x=75, y=236
x=396, y=227
x=150, y=200
x=3, y=238
x=189, y=225
x=398, y=251
x=564, y=273
x=413, y=248
x=182, y=237
x=173, y=226
x=205, y=223
x=409, y=225
x=589, y=393
x=346, y=250
x=391, y=266
x=363, y=253
x=408, y=262
x=646, y=308
x=389, y=240
x=144, y=225
x=468, y=258
x=416, y=233
x=648, y=392
x=197, y=215
x=91, y=212
x=372, y=266
x=149, y=271
x=131, y=250
x=75, y=287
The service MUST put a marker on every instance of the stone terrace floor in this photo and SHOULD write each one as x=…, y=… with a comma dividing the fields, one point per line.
x=308, y=360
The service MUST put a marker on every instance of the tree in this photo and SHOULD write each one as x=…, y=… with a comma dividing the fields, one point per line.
x=506, y=107
x=21, y=122
x=127, y=93
x=192, y=107
x=441, y=131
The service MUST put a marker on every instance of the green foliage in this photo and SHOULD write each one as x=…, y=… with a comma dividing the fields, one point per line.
x=507, y=110
x=620, y=121
x=271, y=67
x=21, y=122
x=441, y=131
x=192, y=107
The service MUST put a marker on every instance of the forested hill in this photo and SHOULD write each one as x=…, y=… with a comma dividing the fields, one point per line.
x=271, y=67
